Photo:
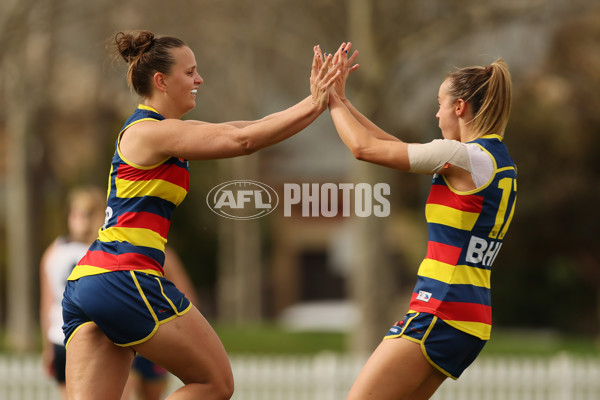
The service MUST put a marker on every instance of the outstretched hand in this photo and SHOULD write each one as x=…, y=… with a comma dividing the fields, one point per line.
x=322, y=77
x=344, y=65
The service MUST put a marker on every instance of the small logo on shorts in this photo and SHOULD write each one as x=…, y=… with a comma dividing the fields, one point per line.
x=424, y=296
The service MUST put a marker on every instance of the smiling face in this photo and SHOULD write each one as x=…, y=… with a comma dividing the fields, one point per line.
x=181, y=84
x=447, y=116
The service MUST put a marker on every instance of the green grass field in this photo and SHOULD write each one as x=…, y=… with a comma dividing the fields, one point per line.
x=271, y=339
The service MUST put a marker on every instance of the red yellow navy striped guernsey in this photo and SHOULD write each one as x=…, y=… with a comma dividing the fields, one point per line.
x=466, y=230
x=140, y=204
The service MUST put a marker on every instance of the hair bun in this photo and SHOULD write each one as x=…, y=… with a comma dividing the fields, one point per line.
x=131, y=46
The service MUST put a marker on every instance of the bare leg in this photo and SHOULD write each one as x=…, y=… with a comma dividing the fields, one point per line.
x=152, y=390
x=129, y=390
x=188, y=347
x=96, y=367
x=144, y=389
x=428, y=387
x=396, y=370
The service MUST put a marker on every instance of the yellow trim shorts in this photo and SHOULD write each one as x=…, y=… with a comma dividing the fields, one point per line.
x=446, y=348
x=128, y=306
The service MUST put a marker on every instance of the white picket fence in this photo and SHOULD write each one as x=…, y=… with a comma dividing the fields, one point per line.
x=329, y=376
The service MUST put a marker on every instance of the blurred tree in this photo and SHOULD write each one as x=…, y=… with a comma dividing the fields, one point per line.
x=371, y=281
x=23, y=60
x=552, y=255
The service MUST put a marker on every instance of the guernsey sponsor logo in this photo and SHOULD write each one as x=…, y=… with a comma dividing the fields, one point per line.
x=424, y=296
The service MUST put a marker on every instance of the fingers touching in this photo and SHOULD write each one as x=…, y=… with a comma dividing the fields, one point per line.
x=345, y=66
x=323, y=76
x=330, y=71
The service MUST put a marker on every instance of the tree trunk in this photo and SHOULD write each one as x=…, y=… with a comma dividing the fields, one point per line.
x=371, y=283
x=240, y=272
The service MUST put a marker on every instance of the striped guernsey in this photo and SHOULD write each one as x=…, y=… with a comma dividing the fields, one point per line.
x=140, y=203
x=466, y=230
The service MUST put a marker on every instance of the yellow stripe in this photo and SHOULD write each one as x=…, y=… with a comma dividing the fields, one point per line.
x=135, y=236
x=509, y=220
x=439, y=214
x=491, y=136
x=154, y=317
x=406, y=323
x=86, y=270
x=156, y=187
x=142, y=107
x=75, y=331
x=436, y=270
x=505, y=184
x=459, y=274
x=143, y=167
x=158, y=323
x=145, y=107
x=424, y=349
x=509, y=168
x=109, y=183
x=467, y=275
x=478, y=329
x=162, y=291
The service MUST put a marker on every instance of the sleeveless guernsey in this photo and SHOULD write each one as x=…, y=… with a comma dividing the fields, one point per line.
x=466, y=230
x=140, y=204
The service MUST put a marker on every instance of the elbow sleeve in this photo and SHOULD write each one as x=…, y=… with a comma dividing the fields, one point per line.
x=430, y=158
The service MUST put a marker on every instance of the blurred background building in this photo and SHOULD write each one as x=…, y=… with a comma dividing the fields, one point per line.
x=62, y=102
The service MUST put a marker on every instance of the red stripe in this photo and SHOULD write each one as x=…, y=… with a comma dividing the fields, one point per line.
x=144, y=220
x=114, y=262
x=453, y=311
x=466, y=312
x=425, y=306
x=443, y=252
x=441, y=194
x=166, y=172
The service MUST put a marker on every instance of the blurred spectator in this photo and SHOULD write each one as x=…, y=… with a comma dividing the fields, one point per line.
x=85, y=216
x=86, y=205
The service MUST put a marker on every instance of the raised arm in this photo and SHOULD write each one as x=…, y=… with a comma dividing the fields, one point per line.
x=346, y=66
x=148, y=143
x=362, y=140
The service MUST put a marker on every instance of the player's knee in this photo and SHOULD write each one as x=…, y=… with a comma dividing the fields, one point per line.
x=225, y=386
x=217, y=389
x=219, y=385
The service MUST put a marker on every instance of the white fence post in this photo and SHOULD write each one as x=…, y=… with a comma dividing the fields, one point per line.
x=329, y=376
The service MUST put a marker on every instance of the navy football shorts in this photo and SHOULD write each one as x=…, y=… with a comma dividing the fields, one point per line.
x=128, y=306
x=448, y=349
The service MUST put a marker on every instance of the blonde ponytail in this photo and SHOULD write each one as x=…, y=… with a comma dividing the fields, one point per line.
x=489, y=92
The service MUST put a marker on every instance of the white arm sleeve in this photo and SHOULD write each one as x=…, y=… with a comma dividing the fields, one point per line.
x=482, y=166
x=430, y=158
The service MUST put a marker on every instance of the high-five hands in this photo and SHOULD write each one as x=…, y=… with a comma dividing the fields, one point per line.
x=344, y=65
x=341, y=63
x=322, y=78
